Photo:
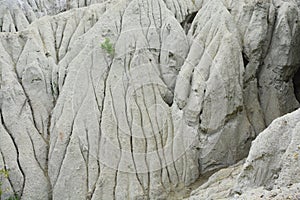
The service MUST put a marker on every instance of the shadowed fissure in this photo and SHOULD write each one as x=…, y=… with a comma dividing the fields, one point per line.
x=296, y=82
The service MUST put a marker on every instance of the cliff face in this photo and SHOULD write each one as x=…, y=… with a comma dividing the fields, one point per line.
x=138, y=99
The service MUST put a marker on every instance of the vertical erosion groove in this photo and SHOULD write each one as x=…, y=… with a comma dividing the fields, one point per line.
x=18, y=153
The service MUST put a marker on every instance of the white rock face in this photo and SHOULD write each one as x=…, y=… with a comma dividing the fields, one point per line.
x=135, y=99
x=273, y=160
x=271, y=170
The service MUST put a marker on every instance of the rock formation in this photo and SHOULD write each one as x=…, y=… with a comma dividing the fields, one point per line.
x=271, y=170
x=141, y=99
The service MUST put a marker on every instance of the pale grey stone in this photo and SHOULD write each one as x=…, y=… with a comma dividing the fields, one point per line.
x=187, y=87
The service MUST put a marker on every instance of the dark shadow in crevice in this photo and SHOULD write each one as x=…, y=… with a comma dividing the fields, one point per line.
x=245, y=60
x=296, y=82
x=186, y=24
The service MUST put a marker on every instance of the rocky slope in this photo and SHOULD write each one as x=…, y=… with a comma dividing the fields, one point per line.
x=271, y=170
x=139, y=99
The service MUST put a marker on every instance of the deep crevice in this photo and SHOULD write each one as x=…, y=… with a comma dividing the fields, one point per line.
x=296, y=83
x=186, y=24
x=245, y=60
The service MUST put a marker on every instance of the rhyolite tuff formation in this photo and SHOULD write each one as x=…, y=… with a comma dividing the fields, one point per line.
x=187, y=88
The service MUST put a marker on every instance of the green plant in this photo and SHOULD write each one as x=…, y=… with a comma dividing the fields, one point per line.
x=1, y=189
x=108, y=46
x=4, y=173
x=14, y=197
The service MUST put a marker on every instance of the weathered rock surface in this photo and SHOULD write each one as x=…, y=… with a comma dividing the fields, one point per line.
x=188, y=85
x=271, y=170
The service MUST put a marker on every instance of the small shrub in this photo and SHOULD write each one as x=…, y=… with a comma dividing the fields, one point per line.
x=108, y=46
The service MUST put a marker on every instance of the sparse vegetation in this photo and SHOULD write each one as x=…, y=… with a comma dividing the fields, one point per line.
x=14, y=197
x=4, y=174
x=108, y=46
